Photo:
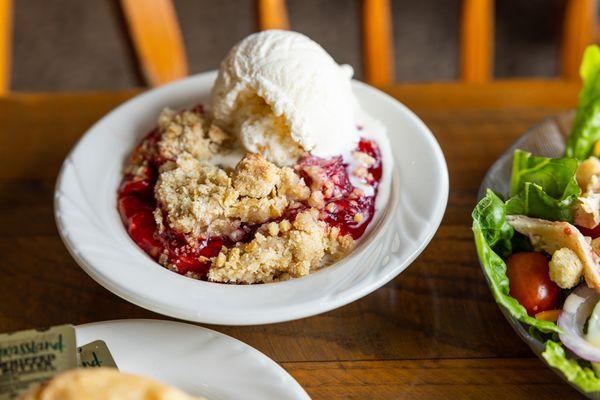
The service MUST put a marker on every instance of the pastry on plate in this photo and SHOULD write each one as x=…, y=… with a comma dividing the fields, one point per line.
x=104, y=384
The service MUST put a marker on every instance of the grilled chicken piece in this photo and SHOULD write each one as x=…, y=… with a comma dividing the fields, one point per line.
x=551, y=236
x=587, y=174
x=587, y=209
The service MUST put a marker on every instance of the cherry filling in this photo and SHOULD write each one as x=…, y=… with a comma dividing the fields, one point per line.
x=346, y=207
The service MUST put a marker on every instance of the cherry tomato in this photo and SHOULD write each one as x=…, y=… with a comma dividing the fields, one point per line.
x=530, y=282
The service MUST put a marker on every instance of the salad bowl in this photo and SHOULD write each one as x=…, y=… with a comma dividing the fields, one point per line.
x=537, y=233
x=546, y=139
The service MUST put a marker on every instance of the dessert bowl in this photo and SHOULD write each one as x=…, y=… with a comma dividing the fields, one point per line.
x=408, y=214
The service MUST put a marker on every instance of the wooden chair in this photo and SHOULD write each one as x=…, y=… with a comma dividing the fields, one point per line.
x=476, y=37
x=159, y=44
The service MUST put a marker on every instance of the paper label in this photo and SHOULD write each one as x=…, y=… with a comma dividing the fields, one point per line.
x=31, y=357
x=95, y=355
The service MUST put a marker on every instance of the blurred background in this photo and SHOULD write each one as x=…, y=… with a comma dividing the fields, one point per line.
x=81, y=45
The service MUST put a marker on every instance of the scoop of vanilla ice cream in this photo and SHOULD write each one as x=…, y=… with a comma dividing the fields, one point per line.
x=282, y=94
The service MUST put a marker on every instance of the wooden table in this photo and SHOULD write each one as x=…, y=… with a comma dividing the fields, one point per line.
x=434, y=332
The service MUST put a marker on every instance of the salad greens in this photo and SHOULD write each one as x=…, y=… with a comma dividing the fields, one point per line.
x=492, y=236
x=586, y=127
x=543, y=187
x=489, y=218
x=583, y=377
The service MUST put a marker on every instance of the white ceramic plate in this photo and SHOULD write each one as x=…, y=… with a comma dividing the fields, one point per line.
x=197, y=360
x=90, y=226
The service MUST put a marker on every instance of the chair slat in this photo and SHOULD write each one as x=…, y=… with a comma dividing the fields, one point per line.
x=476, y=40
x=6, y=17
x=579, y=30
x=272, y=14
x=157, y=39
x=378, y=42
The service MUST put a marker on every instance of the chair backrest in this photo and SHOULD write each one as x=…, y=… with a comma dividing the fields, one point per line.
x=476, y=36
x=158, y=42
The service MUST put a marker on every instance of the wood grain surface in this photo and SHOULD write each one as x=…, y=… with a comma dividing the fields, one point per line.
x=434, y=332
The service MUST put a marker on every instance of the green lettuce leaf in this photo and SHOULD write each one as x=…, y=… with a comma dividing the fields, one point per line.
x=490, y=217
x=586, y=127
x=543, y=187
x=582, y=377
x=555, y=175
x=492, y=236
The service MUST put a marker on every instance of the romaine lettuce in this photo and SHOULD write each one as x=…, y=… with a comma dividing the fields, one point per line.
x=582, y=377
x=492, y=236
x=543, y=187
x=586, y=127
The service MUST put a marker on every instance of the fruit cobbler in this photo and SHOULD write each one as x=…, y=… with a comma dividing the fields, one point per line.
x=201, y=207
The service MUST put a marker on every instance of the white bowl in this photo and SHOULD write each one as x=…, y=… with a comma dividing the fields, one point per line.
x=90, y=226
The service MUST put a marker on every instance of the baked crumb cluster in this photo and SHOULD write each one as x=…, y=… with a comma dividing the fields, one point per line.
x=188, y=132
x=280, y=250
x=271, y=219
x=199, y=199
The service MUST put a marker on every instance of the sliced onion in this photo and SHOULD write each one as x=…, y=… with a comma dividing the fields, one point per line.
x=576, y=310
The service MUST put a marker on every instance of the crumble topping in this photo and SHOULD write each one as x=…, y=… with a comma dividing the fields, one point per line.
x=316, y=199
x=365, y=161
x=318, y=180
x=363, y=158
x=292, y=186
x=199, y=199
x=255, y=177
x=288, y=248
x=258, y=222
x=193, y=196
x=188, y=132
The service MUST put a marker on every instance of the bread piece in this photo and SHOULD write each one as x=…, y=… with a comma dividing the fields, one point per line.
x=104, y=384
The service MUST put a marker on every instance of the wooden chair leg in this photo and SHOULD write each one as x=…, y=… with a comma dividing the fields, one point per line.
x=157, y=39
x=476, y=40
x=6, y=18
x=272, y=14
x=579, y=31
x=377, y=42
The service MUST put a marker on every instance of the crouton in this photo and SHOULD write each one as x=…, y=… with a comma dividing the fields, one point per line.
x=565, y=268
